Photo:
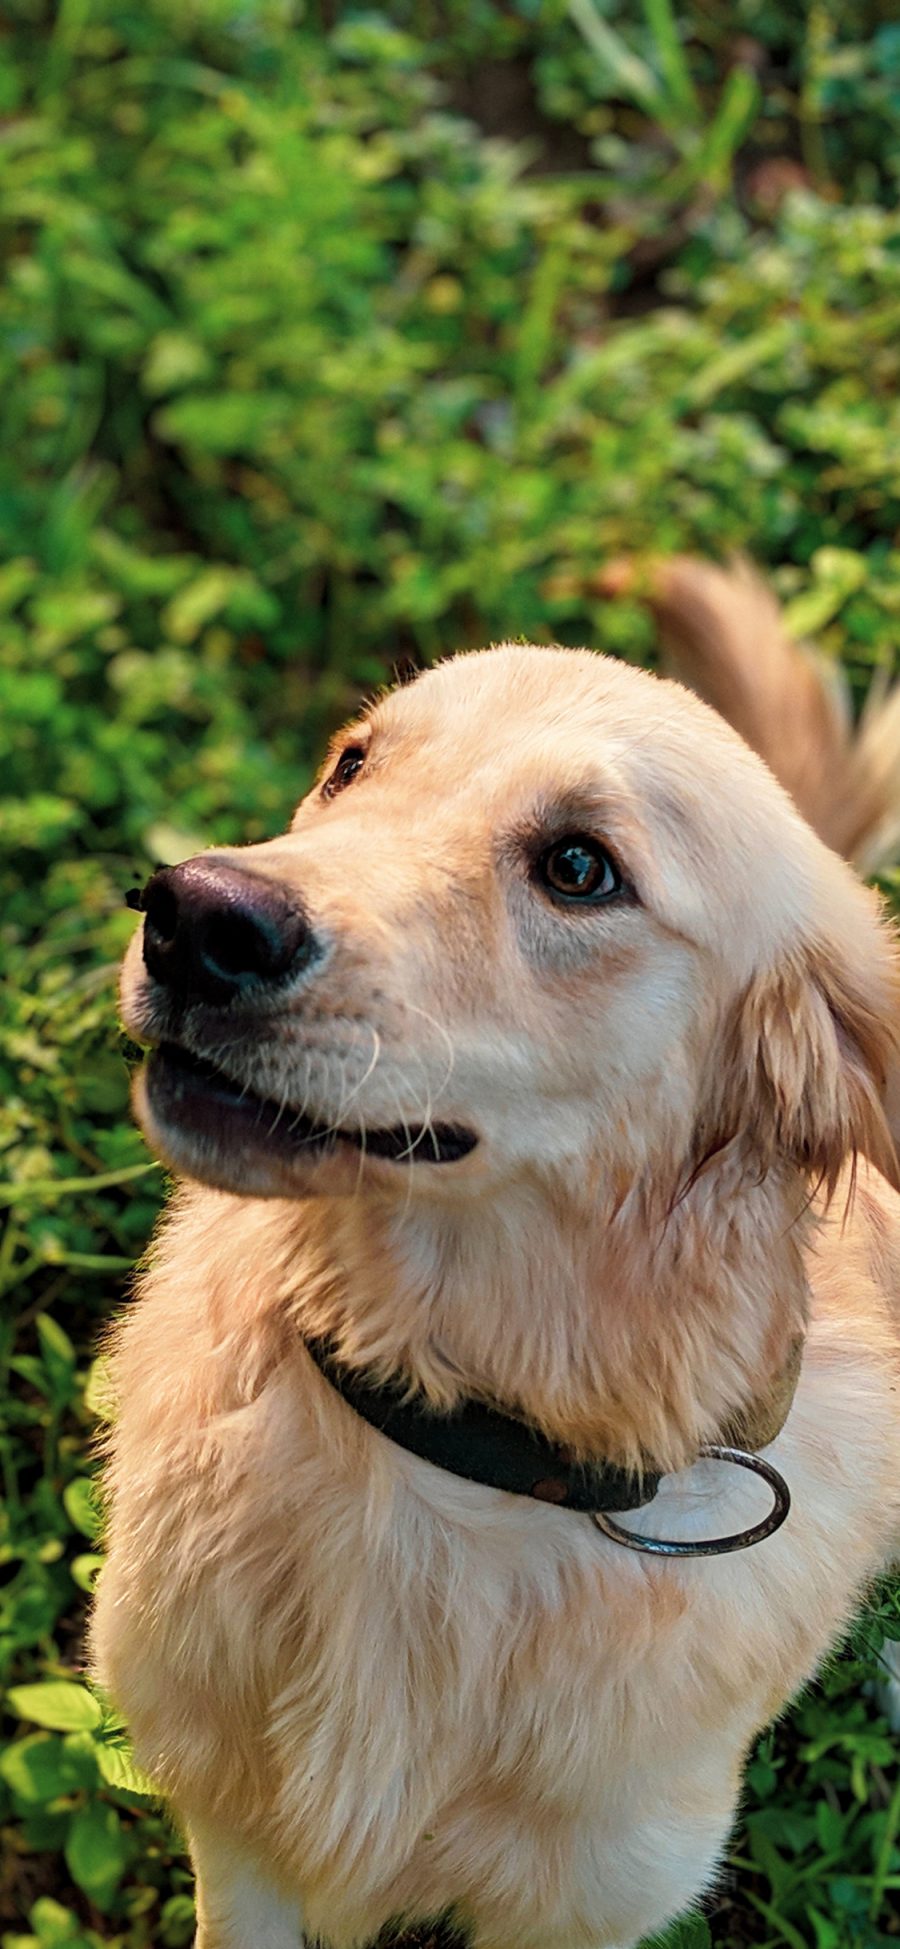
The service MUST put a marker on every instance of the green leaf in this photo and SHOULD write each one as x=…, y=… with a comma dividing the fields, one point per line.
x=788, y=1934
x=120, y=1769
x=42, y=819
x=177, y=1922
x=56, y=1703
x=737, y=108
x=672, y=62
x=222, y=423
x=97, y=1851
x=99, y=1397
x=58, y=1354
x=42, y=1766
x=692, y=1932
x=16, y=578
x=762, y=1777
x=628, y=74
x=56, y=1927
x=174, y=359
x=204, y=597
x=86, y=1569
x=829, y=1935
x=838, y=573
x=80, y=1506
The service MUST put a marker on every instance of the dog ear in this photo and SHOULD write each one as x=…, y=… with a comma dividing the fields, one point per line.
x=812, y=1048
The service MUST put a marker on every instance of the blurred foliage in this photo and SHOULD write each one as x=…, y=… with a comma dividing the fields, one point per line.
x=332, y=336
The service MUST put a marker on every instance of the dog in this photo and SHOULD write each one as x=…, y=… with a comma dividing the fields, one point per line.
x=535, y=1088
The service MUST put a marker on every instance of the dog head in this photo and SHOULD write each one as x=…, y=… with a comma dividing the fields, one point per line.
x=543, y=914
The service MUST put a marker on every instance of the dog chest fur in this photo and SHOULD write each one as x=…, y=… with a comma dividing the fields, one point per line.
x=409, y=1693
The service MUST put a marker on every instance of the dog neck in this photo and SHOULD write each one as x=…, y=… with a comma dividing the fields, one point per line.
x=631, y=1333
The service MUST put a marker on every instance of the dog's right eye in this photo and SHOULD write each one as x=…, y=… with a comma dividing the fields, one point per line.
x=350, y=762
x=579, y=869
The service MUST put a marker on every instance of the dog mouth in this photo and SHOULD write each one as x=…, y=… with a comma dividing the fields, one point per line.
x=192, y=1094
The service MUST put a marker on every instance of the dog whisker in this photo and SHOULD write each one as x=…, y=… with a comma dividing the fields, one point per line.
x=444, y=1032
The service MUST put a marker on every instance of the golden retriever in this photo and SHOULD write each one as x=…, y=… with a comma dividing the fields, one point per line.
x=542, y=1064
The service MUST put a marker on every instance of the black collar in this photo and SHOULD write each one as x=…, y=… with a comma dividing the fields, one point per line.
x=484, y=1444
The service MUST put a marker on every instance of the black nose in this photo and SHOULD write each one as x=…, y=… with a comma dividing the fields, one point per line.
x=213, y=931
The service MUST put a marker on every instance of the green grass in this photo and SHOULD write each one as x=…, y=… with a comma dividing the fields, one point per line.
x=329, y=339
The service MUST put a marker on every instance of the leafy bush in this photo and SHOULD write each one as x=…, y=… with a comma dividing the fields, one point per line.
x=328, y=341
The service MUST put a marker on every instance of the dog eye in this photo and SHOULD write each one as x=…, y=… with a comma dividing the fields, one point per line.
x=577, y=868
x=350, y=762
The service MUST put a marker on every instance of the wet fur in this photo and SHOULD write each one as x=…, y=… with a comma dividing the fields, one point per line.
x=372, y=1690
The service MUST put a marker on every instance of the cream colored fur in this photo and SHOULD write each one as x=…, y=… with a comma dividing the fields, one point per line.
x=372, y=1689
x=722, y=632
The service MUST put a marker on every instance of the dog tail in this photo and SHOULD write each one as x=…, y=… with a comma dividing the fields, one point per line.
x=723, y=633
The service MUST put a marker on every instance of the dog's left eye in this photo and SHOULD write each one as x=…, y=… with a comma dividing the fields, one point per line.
x=577, y=868
x=349, y=763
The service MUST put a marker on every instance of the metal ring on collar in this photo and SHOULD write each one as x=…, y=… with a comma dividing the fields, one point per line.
x=742, y=1539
